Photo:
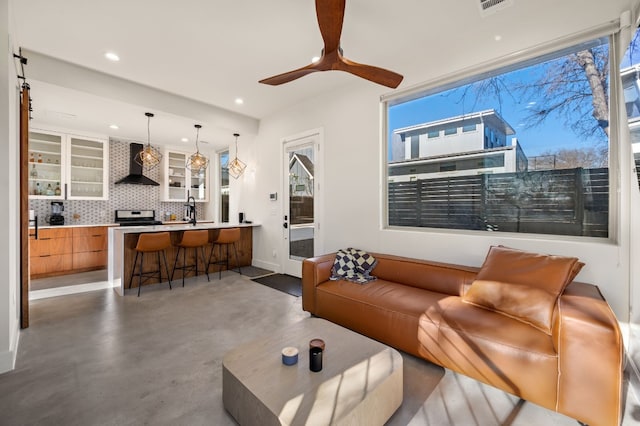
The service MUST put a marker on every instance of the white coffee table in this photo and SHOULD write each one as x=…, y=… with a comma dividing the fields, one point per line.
x=360, y=383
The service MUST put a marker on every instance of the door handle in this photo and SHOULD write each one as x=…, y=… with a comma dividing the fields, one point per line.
x=285, y=225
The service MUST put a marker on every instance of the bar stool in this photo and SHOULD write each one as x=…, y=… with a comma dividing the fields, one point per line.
x=195, y=240
x=226, y=237
x=149, y=243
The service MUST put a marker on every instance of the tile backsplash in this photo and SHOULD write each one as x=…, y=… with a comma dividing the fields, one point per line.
x=124, y=196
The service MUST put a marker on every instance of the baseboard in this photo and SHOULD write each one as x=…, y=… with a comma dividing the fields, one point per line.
x=8, y=358
x=275, y=267
x=71, y=289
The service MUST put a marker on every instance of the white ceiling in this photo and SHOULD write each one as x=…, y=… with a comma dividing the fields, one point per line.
x=212, y=52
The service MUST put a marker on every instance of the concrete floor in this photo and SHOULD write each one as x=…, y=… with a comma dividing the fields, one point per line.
x=99, y=359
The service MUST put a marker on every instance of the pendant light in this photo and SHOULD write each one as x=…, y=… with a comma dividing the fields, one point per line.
x=197, y=162
x=150, y=156
x=236, y=167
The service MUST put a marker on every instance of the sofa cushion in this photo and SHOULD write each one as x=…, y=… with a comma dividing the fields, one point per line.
x=522, y=285
x=383, y=310
x=547, y=272
x=353, y=265
x=522, y=302
x=492, y=348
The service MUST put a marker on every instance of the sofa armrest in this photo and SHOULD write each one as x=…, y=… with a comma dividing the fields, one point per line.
x=590, y=357
x=315, y=270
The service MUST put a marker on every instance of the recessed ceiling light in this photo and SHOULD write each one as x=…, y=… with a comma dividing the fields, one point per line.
x=112, y=56
x=239, y=101
x=184, y=140
x=497, y=37
x=114, y=127
x=315, y=59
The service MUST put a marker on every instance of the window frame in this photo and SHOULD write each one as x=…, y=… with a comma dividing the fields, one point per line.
x=526, y=57
x=219, y=187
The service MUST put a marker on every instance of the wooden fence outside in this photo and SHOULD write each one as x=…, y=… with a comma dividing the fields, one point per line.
x=560, y=202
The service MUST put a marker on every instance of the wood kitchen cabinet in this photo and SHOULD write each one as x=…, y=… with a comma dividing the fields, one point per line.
x=89, y=248
x=60, y=251
x=51, y=253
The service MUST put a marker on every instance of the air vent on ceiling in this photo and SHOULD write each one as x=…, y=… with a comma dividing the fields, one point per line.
x=491, y=6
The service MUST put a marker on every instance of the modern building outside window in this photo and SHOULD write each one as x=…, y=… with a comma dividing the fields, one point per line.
x=479, y=176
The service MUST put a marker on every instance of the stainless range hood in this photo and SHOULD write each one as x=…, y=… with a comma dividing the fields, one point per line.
x=135, y=176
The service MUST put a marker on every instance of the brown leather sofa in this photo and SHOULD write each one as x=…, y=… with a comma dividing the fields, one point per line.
x=418, y=307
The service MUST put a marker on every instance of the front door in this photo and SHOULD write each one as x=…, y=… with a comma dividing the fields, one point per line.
x=301, y=200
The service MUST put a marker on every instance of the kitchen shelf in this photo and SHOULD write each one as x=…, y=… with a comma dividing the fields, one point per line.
x=42, y=141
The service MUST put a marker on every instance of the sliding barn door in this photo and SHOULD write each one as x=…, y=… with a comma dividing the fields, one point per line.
x=24, y=207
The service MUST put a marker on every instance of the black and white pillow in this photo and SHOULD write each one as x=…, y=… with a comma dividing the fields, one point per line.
x=353, y=265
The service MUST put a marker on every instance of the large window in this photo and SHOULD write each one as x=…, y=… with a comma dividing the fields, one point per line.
x=531, y=156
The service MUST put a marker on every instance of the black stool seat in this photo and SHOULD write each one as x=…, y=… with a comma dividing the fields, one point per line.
x=226, y=237
x=194, y=240
x=152, y=242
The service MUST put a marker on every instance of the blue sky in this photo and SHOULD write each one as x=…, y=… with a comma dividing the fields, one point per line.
x=550, y=136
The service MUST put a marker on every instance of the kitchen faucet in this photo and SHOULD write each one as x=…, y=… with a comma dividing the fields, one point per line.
x=191, y=202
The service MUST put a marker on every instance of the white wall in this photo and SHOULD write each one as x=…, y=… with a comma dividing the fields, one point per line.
x=9, y=216
x=353, y=153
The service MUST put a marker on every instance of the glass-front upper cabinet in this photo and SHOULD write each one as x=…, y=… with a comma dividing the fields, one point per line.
x=87, y=172
x=64, y=166
x=178, y=182
x=198, y=182
x=45, y=165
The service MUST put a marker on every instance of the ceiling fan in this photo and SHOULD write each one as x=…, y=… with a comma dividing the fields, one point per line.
x=330, y=15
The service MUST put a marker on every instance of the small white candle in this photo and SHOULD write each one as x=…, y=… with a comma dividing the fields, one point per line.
x=289, y=355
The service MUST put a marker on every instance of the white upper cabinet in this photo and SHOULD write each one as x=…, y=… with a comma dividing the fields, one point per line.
x=67, y=166
x=178, y=182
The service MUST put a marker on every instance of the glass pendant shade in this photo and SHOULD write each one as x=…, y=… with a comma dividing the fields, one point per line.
x=236, y=167
x=150, y=156
x=197, y=162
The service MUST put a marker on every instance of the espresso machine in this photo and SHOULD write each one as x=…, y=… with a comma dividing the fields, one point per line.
x=56, y=217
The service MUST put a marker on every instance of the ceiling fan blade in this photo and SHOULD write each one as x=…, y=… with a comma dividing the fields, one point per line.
x=330, y=15
x=369, y=72
x=289, y=76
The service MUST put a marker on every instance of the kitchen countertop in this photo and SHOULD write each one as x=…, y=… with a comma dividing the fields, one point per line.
x=178, y=227
x=87, y=225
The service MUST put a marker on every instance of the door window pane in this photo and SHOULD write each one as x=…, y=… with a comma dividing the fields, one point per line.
x=301, y=216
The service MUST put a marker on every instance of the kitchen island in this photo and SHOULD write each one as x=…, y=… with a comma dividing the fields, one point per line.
x=123, y=240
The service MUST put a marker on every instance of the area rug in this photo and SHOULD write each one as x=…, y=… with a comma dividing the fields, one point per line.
x=285, y=283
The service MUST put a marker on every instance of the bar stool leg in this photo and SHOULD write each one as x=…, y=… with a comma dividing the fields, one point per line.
x=159, y=268
x=235, y=250
x=175, y=262
x=133, y=269
x=140, y=275
x=184, y=263
x=204, y=261
x=219, y=265
x=166, y=267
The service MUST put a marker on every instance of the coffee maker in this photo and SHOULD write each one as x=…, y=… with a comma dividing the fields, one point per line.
x=56, y=217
